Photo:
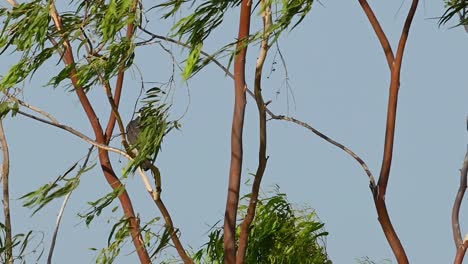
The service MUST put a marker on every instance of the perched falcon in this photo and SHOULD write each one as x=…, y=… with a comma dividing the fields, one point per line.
x=133, y=131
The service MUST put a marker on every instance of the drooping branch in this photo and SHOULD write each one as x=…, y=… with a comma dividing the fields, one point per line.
x=6, y=196
x=262, y=158
x=236, y=134
x=333, y=142
x=268, y=111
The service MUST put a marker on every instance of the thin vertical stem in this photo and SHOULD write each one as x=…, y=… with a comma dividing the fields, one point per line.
x=6, y=196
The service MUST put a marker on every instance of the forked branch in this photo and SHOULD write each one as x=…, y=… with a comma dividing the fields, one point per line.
x=395, y=69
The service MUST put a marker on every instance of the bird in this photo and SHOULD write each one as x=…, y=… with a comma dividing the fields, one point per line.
x=133, y=132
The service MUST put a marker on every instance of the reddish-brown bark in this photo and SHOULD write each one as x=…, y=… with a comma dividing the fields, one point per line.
x=395, y=68
x=236, y=135
x=262, y=158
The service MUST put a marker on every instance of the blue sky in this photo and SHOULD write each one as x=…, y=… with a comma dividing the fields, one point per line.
x=339, y=78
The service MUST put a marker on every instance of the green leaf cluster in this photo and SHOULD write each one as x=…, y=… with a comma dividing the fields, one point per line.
x=8, y=107
x=20, y=243
x=208, y=15
x=119, y=233
x=454, y=8
x=279, y=234
x=96, y=25
x=100, y=204
x=45, y=194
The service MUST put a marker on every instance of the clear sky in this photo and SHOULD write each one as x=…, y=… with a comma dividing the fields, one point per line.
x=339, y=78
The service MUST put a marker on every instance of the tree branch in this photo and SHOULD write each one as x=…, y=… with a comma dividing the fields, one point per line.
x=461, y=251
x=155, y=194
x=392, y=103
x=92, y=142
x=6, y=196
x=268, y=111
x=457, y=237
x=333, y=142
x=379, y=32
x=262, y=158
x=104, y=160
x=236, y=135
x=173, y=231
x=395, y=68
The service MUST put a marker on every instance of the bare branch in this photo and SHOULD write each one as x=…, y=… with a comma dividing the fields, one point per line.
x=236, y=134
x=395, y=68
x=457, y=237
x=379, y=32
x=461, y=251
x=333, y=142
x=392, y=103
x=6, y=196
x=35, y=109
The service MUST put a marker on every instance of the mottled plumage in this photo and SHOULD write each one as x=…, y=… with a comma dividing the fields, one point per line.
x=133, y=131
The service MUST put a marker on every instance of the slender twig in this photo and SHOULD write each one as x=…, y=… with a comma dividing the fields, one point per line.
x=262, y=158
x=333, y=142
x=62, y=209
x=236, y=135
x=6, y=196
x=35, y=109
